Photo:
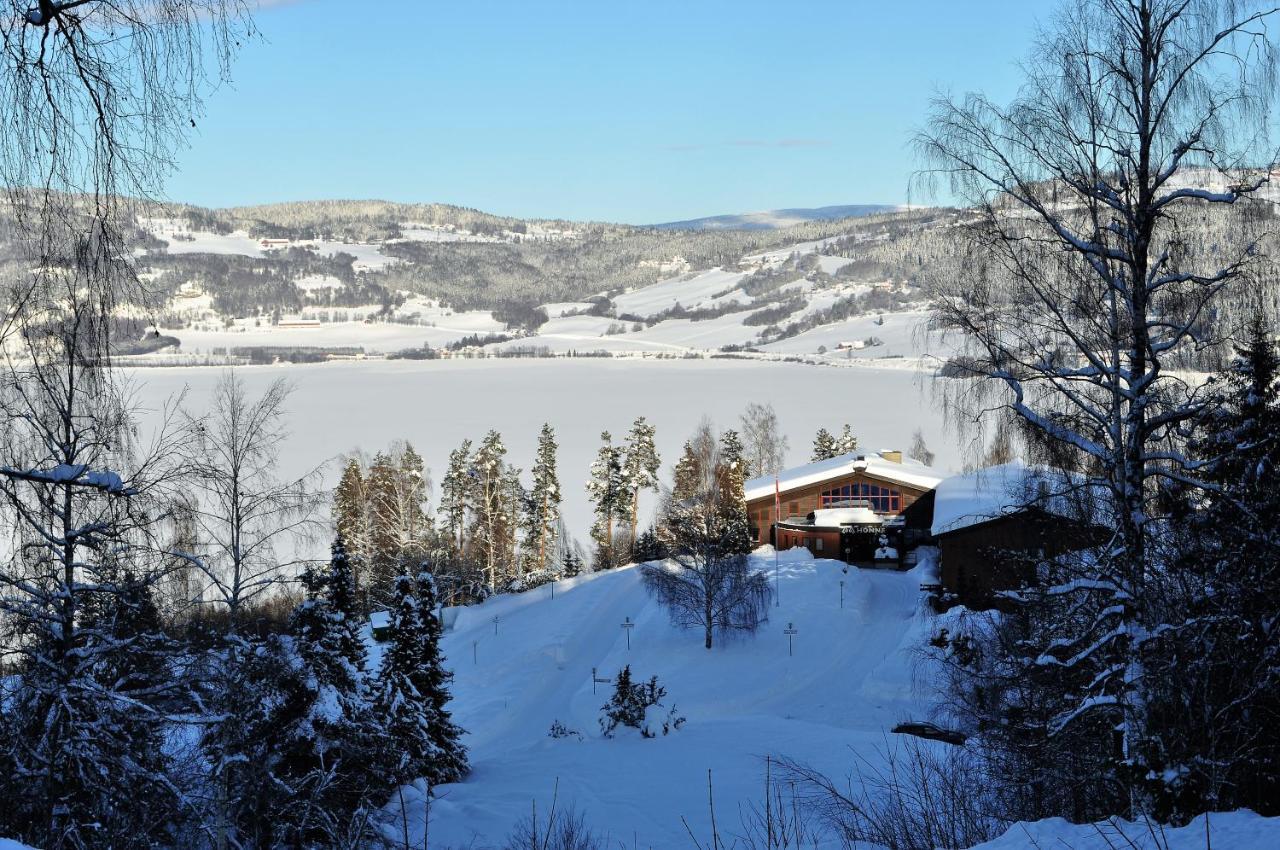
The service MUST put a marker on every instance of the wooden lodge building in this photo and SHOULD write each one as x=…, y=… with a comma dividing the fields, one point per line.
x=836, y=508
x=986, y=535
x=992, y=525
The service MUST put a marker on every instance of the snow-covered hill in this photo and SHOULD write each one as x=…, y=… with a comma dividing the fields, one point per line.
x=523, y=661
x=772, y=219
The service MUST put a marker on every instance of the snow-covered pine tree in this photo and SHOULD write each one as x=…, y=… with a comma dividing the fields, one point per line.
x=730, y=478
x=542, y=508
x=341, y=595
x=328, y=731
x=686, y=474
x=516, y=499
x=432, y=680
x=609, y=494
x=824, y=446
x=846, y=443
x=384, y=524
x=401, y=710
x=640, y=465
x=82, y=730
x=455, y=496
x=494, y=505
x=571, y=564
x=1216, y=667
x=351, y=510
x=413, y=491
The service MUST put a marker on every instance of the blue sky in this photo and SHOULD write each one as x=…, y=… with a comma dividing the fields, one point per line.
x=596, y=109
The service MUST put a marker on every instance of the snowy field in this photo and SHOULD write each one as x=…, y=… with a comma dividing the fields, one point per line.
x=853, y=675
x=338, y=407
x=524, y=661
x=699, y=290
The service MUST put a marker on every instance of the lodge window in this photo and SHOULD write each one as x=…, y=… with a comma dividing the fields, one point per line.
x=883, y=499
x=817, y=544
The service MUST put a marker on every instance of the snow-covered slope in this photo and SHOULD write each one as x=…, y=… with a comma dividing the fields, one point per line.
x=524, y=661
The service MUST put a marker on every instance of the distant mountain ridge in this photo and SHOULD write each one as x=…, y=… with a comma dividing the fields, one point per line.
x=777, y=219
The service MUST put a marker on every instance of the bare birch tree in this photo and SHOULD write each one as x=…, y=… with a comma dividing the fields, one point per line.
x=96, y=98
x=1136, y=116
x=253, y=525
x=708, y=582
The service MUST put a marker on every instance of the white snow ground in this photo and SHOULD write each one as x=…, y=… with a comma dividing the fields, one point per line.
x=850, y=679
x=698, y=290
x=1238, y=830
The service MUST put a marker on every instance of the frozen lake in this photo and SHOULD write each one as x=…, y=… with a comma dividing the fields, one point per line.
x=338, y=407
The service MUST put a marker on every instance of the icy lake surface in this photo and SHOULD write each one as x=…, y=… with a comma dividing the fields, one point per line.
x=339, y=407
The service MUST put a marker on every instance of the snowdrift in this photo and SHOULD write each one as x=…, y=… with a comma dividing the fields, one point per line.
x=1241, y=830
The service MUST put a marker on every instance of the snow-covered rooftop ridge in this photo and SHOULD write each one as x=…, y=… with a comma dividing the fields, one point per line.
x=825, y=517
x=910, y=472
x=986, y=494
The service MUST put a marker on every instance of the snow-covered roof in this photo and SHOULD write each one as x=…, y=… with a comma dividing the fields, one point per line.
x=909, y=473
x=380, y=619
x=986, y=494
x=846, y=516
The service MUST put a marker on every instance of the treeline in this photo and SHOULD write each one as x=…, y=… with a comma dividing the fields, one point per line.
x=248, y=286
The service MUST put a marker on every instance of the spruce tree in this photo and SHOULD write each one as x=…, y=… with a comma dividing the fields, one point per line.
x=415, y=525
x=351, y=509
x=384, y=522
x=542, y=508
x=328, y=732
x=455, y=496
x=687, y=474
x=494, y=506
x=571, y=565
x=846, y=443
x=730, y=477
x=608, y=493
x=1217, y=673
x=640, y=467
x=824, y=446
x=401, y=710
x=432, y=682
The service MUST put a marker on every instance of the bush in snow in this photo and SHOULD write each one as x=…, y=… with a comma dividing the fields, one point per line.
x=561, y=830
x=559, y=730
x=630, y=706
x=648, y=547
x=530, y=580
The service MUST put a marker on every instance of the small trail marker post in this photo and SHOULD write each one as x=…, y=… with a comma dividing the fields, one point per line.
x=841, y=593
x=627, y=626
x=790, y=631
x=596, y=680
x=495, y=626
x=475, y=652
